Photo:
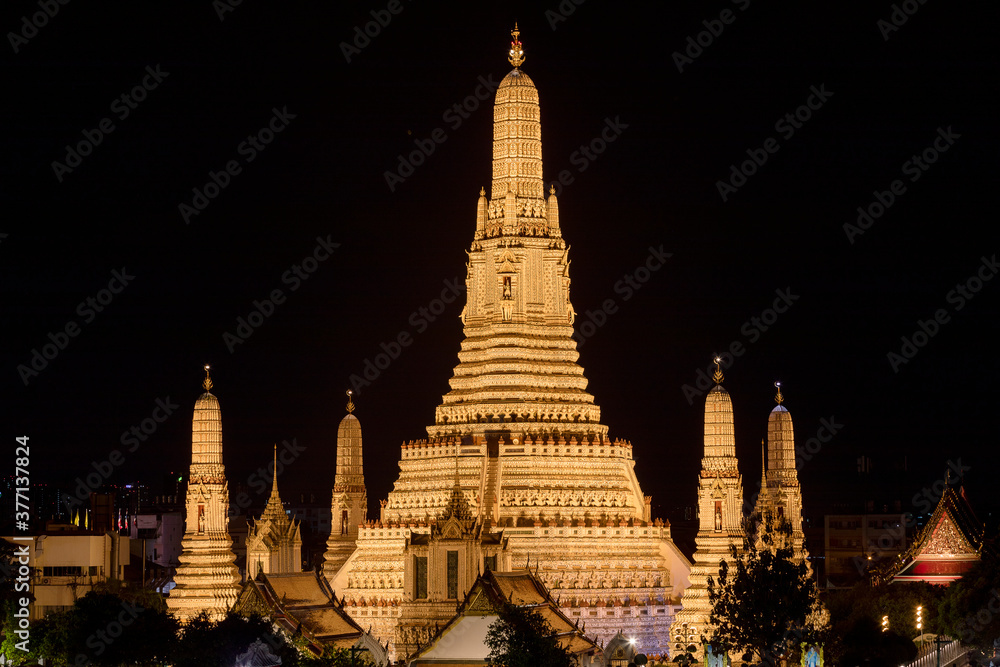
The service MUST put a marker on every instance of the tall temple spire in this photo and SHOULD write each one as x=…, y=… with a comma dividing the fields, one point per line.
x=537, y=471
x=206, y=579
x=274, y=541
x=781, y=494
x=349, y=505
x=780, y=439
x=517, y=137
x=720, y=514
x=518, y=362
x=720, y=443
x=274, y=498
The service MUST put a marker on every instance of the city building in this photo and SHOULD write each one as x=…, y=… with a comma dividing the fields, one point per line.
x=313, y=512
x=66, y=566
x=314, y=515
x=855, y=543
x=206, y=578
x=535, y=465
x=159, y=536
x=155, y=545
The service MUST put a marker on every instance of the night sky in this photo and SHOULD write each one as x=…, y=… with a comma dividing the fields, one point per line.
x=337, y=111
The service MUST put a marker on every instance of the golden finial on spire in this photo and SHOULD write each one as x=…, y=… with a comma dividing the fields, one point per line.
x=207, y=382
x=718, y=371
x=779, y=398
x=482, y=192
x=350, y=401
x=516, y=54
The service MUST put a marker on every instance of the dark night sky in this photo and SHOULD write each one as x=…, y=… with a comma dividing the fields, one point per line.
x=655, y=185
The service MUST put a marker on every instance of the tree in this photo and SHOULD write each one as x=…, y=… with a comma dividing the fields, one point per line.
x=103, y=630
x=522, y=638
x=853, y=612
x=970, y=610
x=763, y=602
x=207, y=643
x=10, y=600
x=866, y=644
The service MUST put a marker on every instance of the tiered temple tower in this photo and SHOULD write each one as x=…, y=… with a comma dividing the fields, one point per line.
x=274, y=541
x=535, y=465
x=780, y=492
x=349, y=507
x=720, y=515
x=207, y=578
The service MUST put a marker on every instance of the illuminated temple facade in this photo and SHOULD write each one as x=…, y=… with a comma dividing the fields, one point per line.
x=720, y=518
x=721, y=510
x=207, y=578
x=781, y=494
x=517, y=468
